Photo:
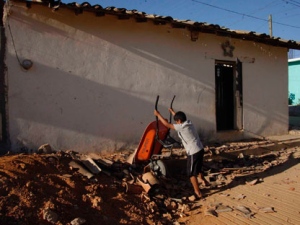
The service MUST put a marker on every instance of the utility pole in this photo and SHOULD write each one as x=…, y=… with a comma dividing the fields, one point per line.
x=270, y=26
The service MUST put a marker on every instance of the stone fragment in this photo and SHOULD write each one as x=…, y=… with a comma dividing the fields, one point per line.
x=90, y=164
x=170, y=205
x=267, y=210
x=50, y=216
x=82, y=170
x=78, y=221
x=253, y=182
x=152, y=207
x=210, y=212
x=223, y=208
x=240, y=196
x=46, y=149
x=243, y=209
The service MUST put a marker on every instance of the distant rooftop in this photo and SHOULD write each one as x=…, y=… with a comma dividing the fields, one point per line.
x=294, y=60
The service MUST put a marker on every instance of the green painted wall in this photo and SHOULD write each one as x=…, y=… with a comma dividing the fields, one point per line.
x=294, y=81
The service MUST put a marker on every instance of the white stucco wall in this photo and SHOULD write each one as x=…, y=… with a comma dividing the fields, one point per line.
x=94, y=80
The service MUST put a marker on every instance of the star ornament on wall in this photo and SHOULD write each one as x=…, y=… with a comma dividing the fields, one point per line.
x=227, y=49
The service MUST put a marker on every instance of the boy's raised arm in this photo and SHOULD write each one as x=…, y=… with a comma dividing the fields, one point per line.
x=172, y=111
x=163, y=120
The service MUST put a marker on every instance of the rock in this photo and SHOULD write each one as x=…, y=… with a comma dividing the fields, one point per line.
x=46, y=149
x=210, y=212
x=267, y=210
x=241, y=196
x=50, y=216
x=170, y=205
x=253, y=182
x=152, y=207
x=243, y=209
x=96, y=201
x=241, y=156
x=192, y=198
x=223, y=208
x=78, y=221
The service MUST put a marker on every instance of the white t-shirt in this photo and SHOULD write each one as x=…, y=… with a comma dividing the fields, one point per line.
x=189, y=137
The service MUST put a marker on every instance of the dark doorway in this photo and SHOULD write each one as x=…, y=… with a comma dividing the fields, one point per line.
x=224, y=78
x=229, y=95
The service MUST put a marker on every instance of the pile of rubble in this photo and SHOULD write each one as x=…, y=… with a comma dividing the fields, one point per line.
x=66, y=187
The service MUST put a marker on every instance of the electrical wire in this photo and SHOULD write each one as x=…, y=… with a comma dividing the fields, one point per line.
x=243, y=14
x=292, y=2
x=13, y=41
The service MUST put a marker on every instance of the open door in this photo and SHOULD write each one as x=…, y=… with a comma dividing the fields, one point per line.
x=239, y=95
x=228, y=84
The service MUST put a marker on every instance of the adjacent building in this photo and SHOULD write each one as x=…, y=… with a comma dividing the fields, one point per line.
x=294, y=81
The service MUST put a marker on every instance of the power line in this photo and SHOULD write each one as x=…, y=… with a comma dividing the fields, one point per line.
x=243, y=14
x=292, y=2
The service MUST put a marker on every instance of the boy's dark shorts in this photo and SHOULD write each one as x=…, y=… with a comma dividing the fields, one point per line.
x=195, y=163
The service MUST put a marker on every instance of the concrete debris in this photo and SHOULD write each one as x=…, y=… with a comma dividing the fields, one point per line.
x=73, y=164
x=145, y=197
x=222, y=208
x=184, y=208
x=78, y=221
x=192, y=198
x=105, y=162
x=95, y=200
x=210, y=212
x=45, y=149
x=152, y=207
x=170, y=205
x=241, y=156
x=171, y=196
x=240, y=196
x=246, y=211
x=150, y=179
x=50, y=216
x=90, y=164
x=267, y=210
x=131, y=158
x=145, y=186
x=253, y=182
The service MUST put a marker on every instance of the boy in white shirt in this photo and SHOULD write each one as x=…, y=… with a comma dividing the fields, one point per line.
x=192, y=144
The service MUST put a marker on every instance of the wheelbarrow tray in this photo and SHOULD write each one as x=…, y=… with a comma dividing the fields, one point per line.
x=149, y=145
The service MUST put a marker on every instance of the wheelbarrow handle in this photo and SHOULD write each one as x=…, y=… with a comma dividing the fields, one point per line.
x=157, y=129
x=171, y=107
x=157, y=98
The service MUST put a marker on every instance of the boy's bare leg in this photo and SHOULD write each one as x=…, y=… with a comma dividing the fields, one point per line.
x=203, y=180
x=195, y=184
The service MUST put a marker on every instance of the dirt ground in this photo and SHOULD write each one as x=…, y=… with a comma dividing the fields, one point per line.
x=46, y=188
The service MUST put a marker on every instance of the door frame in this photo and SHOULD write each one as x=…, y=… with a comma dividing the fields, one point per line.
x=237, y=95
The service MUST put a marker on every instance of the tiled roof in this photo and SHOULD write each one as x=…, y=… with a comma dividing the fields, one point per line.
x=202, y=27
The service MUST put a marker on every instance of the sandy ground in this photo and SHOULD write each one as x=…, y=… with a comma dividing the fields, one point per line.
x=247, y=179
x=274, y=199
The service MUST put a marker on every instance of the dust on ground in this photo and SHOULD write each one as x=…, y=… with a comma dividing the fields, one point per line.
x=44, y=188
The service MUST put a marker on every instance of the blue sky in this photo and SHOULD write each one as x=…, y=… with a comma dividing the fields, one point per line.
x=249, y=15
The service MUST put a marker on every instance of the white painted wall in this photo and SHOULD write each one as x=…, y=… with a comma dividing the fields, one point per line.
x=94, y=80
